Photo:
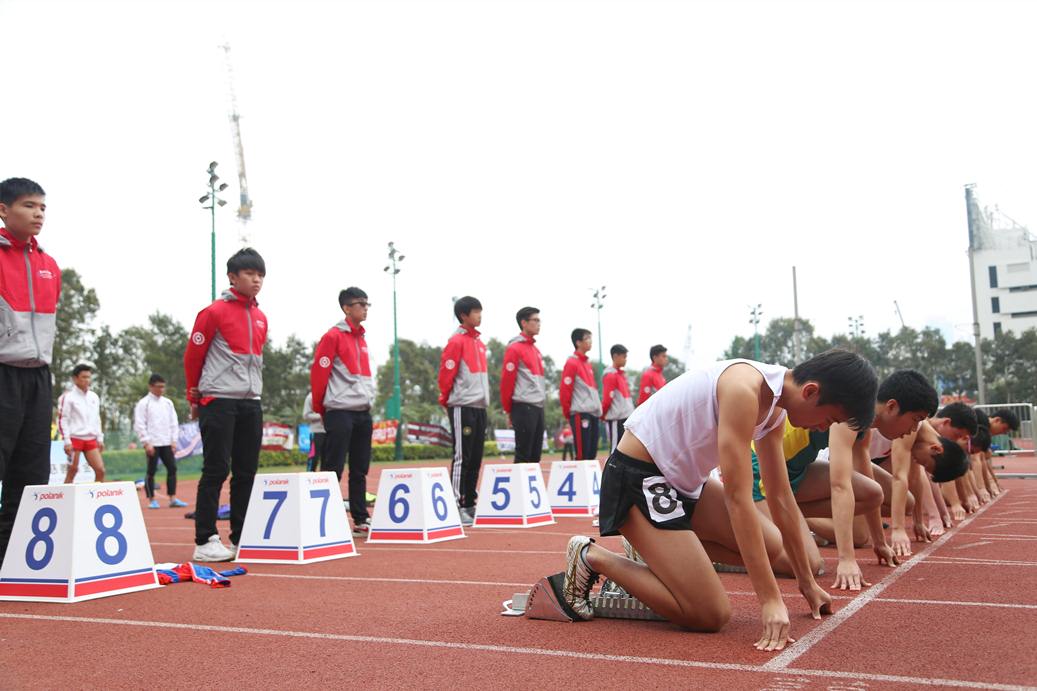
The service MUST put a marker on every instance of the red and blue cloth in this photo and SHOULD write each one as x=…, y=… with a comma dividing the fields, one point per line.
x=189, y=571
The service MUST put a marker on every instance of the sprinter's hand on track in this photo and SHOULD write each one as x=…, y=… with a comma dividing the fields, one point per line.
x=848, y=576
x=775, y=627
x=922, y=533
x=886, y=556
x=901, y=543
x=818, y=598
x=958, y=512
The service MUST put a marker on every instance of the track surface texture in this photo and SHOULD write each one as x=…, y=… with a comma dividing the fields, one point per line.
x=961, y=613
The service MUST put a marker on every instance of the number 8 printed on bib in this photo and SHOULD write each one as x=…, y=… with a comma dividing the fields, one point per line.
x=663, y=502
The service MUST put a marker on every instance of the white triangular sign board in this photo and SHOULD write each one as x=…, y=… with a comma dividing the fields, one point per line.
x=415, y=505
x=574, y=488
x=512, y=495
x=77, y=542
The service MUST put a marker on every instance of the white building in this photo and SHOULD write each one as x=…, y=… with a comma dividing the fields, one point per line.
x=1005, y=266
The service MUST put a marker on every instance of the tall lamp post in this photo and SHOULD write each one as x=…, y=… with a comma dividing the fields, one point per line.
x=856, y=326
x=599, y=302
x=394, y=406
x=754, y=318
x=214, y=201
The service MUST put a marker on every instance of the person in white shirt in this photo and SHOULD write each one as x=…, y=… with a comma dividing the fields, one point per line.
x=154, y=421
x=79, y=421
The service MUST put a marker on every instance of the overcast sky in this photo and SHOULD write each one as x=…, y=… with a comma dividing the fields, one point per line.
x=686, y=155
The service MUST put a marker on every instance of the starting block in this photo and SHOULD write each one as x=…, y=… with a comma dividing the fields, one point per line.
x=415, y=505
x=295, y=518
x=545, y=601
x=512, y=495
x=575, y=488
x=77, y=542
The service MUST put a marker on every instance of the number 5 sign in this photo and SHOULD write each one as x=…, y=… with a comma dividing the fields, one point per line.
x=295, y=518
x=512, y=495
x=77, y=542
x=415, y=505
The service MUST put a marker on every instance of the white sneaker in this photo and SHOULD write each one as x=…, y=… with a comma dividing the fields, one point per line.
x=213, y=550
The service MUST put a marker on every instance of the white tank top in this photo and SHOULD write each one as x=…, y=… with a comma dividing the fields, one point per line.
x=880, y=446
x=678, y=424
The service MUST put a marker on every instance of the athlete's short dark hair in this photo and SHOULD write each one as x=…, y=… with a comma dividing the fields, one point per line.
x=656, y=350
x=525, y=314
x=911, y=390
x=981, y=439
x=13, y=189
x=246, y=259
x=79, y=369
x=1008, y=417
x=465, y=305
x=350, y=294
x=846, y=380
x=156, y=378
x=951, y=464
x=578, y=335
x=982, y=419
x=961, y=416
x=618, y=349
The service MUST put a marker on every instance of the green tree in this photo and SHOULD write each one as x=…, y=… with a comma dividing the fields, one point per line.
x=74, y=330
x=419, y=388
x=157, y=347
x=286, y=379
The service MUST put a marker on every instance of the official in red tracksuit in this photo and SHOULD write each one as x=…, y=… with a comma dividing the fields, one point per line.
x=223, y=364
x=578, y=394
x=652, y=378
x=343, y=393
x=30, y=283
x=523, y=390
x=616, y=402
x=464, y=390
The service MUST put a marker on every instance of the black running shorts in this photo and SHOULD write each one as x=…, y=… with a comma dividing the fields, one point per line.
x=626, y=483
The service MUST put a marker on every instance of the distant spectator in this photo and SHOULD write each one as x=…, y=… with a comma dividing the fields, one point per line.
x=616, y=403
x=578, y=394
x=156, y=425
x=652, y=377
x=317, y=434
x=79, y=419
x=523, y=391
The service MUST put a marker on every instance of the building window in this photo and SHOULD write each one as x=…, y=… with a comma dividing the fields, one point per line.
x=995, y=305
x=997, y=329
x=993, y=276
x=1031, y=313
x=1022, y=289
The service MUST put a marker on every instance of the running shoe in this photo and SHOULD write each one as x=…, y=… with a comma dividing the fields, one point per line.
x=370, y=498
x=579, y=579
x=177, y=504
x=213, y=550
x=362, y=529
x=467, y=516
x=153, y=504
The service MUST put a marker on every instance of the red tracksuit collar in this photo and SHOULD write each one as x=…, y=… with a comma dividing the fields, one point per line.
x=474, y=333
x=531, y=340
x=580, y=355
x=231, y=295
x=348, y=325
x=657, y=368
x=5, y=234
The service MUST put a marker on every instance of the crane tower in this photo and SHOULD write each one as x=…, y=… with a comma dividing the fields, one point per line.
x=245, y=203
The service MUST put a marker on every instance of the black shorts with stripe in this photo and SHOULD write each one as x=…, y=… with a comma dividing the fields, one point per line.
x=627, y=483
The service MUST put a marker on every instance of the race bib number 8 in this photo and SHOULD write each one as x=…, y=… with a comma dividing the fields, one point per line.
x=663, y=503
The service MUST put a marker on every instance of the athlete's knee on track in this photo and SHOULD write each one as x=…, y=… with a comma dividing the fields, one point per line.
x=868, y=495
x=708, y=617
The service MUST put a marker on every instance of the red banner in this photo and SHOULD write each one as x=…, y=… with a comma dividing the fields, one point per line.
x=384, y=432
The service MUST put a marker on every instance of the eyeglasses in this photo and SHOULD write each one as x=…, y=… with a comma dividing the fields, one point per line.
x=361, y=303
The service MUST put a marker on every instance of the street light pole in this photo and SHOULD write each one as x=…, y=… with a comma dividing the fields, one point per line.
x=394, y=406
x=754, y=318
x=856, y=326
x=599, y=302
x=214, y=201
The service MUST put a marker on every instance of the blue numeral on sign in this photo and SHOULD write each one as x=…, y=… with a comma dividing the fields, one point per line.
x=110, y=532
x=278, y=496
x=534, y=492
x=396, y=500
x=324, y=494
x=597, y=487
x=566, y=489
x=41, y=536
x=439, y=506
x=499, y=488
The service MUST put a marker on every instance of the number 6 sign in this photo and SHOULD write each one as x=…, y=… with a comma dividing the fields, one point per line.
x=295, y=518
x=415, y=505
x=77, y=542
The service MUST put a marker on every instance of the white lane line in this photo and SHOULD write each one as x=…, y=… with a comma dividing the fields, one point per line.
x=578, y=655
x=417, y=581
x=1004, y=537
x=816, y=635
x=974, y=544
x=433, y=550
x=955, y=603
x=978, y=562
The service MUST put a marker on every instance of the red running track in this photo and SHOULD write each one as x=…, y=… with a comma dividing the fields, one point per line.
x=960, y=613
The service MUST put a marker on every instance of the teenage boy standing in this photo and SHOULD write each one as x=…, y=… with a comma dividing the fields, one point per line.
x=30, y=282
x=156, y=425
x=616, y=403
x=79, y=422
x=464, y=390
x=343, y=393
x=578, y=394
x=652, y=378
x=522, y=388
x=223, y=365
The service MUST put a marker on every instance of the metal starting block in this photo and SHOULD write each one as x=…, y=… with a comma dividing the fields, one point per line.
x=545, y=601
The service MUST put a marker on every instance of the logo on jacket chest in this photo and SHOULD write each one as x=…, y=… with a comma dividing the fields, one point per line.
x=45, y=273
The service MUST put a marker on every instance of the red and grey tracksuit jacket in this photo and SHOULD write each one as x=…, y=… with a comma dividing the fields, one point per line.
x=463, y=378
x=224, y=356
x=30, y=283
x=651, y=381
x=522, y=378
x=578, y=392
x=340, y=378
x=616, y=402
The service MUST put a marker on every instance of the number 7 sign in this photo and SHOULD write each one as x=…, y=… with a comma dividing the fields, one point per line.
x=295, y=518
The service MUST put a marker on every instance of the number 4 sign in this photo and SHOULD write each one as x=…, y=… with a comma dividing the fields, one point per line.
x=415, y=505
x=295, y=518
x=512, y=495
x=77, y=542
x=574, y=488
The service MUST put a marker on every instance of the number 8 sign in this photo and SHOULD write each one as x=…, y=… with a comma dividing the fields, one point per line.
x=77, y=542
x=415, y=505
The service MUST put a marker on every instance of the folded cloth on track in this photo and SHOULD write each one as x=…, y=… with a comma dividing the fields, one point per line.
x=189, y=571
